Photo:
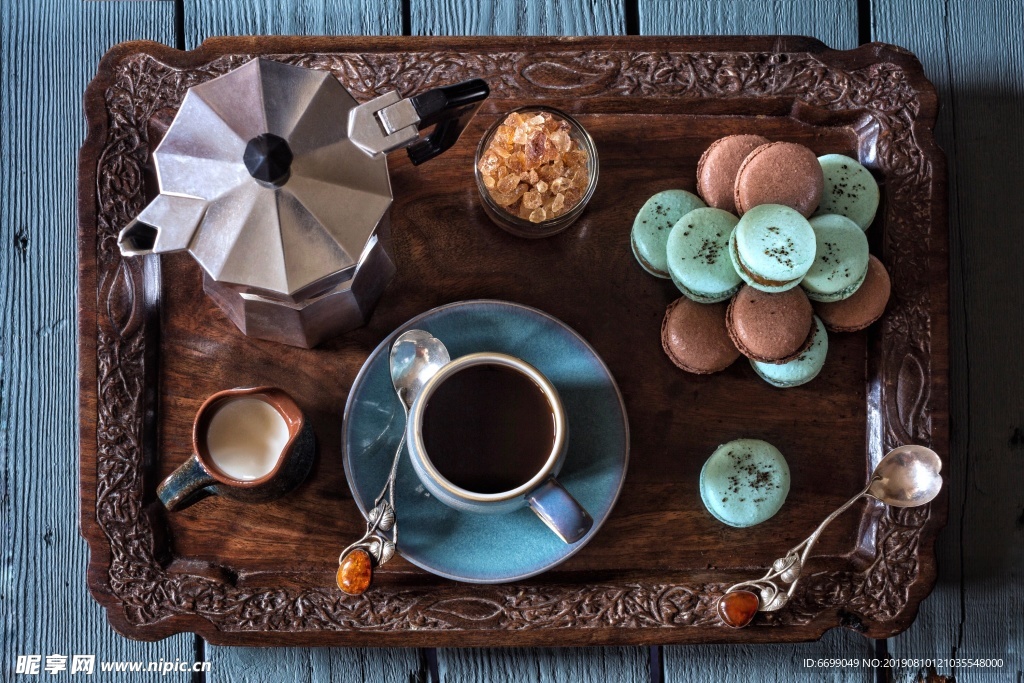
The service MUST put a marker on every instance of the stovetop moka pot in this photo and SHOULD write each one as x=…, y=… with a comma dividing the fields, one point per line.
x=276, y=181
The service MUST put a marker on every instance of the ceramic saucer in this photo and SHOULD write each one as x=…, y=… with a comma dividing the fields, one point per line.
x=481, y=548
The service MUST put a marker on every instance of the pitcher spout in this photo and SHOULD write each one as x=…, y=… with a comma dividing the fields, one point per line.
x=167, y=224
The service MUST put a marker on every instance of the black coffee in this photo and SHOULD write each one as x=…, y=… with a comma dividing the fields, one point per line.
x=488, y=428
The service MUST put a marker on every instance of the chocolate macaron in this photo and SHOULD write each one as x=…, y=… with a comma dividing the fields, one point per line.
x=718, y=166
x=784, y=173
x=770, y=328
x=863, y=307
x=694, y=336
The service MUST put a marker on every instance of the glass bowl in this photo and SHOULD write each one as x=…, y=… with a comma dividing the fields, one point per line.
x=523, y=227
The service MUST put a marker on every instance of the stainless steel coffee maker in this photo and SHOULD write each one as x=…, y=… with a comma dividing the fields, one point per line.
x=276, y=181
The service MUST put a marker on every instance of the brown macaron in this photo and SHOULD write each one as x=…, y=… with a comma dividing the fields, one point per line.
x=718, y=166
x=863, y=307
x=694, y=336
x=784, y=173
x=770, y=328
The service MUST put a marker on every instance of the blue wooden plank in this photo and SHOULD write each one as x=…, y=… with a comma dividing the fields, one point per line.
x=834, y=22
x=516, y=18
x=972, y=52
x=713, y=663
x=50, y=50
x=544, y=665
x=203, y=19
x=206, y=18
x=310, y=664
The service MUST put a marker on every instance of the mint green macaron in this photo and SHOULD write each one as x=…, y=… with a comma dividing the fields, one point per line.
x=744, y=482
x=801, y=369
x=698, y=255
x=840, y=261
x=850, y=189
x=772, y=247
x=652, y=226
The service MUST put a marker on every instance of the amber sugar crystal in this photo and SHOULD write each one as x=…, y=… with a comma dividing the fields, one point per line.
x=533, y=168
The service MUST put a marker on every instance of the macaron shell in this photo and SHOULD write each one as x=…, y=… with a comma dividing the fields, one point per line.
x=770, y=328
x=840, y=261
x=698, y=255
x=838, y=296
x=748, y=278
x=643, y=263
x=864, y=307
x=850, y=190
x=718, y=166
x=801, y=369
x=772, y=247
x=745, y=482
x=694, y=337
x=652, y=226
x=784, y=173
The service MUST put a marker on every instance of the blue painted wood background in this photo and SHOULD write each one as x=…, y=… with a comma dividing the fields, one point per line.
x=971, y=50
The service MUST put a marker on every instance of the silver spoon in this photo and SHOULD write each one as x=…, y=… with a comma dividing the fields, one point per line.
x=415, y=357
x=907, y=476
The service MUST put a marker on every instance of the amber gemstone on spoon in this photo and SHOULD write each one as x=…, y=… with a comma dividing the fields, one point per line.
x=355, y=572
x=738, y=608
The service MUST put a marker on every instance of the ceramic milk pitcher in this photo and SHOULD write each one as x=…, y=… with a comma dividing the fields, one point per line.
x=276, y=181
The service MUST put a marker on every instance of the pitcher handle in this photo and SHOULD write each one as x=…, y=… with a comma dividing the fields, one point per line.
x=560, y=511
x=185, y=485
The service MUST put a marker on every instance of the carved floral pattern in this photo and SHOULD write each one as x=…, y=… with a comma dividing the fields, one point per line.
x=880, y=92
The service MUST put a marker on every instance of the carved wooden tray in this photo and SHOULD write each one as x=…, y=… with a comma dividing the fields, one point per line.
x=152, y=346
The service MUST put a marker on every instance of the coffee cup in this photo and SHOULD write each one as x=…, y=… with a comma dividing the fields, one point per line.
x=250, y=444
x=488, y=434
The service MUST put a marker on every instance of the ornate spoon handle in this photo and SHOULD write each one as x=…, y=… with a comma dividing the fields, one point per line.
x=739, y=604
x=381, y=518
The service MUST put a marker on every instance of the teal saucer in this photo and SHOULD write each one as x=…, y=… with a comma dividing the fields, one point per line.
x=481, y=548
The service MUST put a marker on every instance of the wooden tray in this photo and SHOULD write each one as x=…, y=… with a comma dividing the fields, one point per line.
x=152, y=347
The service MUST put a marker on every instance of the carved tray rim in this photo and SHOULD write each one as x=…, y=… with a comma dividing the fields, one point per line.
x=673, y=613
